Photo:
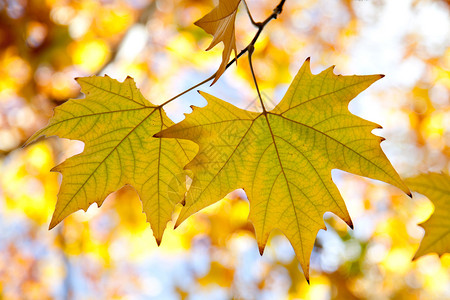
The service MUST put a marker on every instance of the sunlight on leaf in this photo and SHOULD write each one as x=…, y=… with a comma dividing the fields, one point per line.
x=116, y=124
x=436, y=187
x=283, y=158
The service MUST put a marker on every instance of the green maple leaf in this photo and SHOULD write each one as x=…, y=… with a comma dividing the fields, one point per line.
x=436, y=187
x=283, y=158
x=116, y=123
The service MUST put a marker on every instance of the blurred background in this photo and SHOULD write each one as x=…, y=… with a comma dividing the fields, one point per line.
x=110, y=253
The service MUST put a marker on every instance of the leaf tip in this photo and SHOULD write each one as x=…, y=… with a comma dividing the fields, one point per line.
x=158, y=241
x=261, y=249
x=348, y=221
x=307, y=280
x=53, y=223
x=409, y=195
x=307, y=65
x=416, y=256
x=177, y=223
x=193, y=108
x=381, y=75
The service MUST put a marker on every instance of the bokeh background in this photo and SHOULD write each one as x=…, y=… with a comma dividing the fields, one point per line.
x=110, y=253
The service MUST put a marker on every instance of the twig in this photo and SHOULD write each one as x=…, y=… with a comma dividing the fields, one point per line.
x=261, y=25
x=250, y=15
x=144, y=16
x=189, y=89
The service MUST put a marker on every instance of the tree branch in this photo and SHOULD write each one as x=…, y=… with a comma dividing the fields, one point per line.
x=276, y=11
x=250, y=15
x=143, y=16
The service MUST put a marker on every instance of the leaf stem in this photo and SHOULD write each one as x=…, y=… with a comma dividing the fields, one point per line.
x=276, y=11
x=250, y=52
x=189, y=89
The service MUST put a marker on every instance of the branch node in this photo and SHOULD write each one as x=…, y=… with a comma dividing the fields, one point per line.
x=250, y=49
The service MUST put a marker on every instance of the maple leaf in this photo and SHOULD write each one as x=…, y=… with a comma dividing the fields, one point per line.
x=116, y=124
x=436, y=187
x=220, y=23
x=283, y=158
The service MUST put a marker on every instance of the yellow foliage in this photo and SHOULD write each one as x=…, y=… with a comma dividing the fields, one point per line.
x=437, y=227
x=15, y=71
x=218, y=274
x=220, y=23
x=45, y=44
x=283, y=158
x=116, y=123
x=114, y=21
x=90, y=55
x=28, y=186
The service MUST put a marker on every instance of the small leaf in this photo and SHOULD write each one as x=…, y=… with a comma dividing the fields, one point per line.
x=437, y=228
x=116, y=124
x=283, y=158
x=220, y=23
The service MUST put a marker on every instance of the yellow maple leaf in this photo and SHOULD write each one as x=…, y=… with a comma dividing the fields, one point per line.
x=220, y=23
x=116, y=124
x=436, y=187
x=283, y=158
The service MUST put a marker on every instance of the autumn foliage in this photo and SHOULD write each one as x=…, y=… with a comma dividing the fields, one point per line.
x=230, y=172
